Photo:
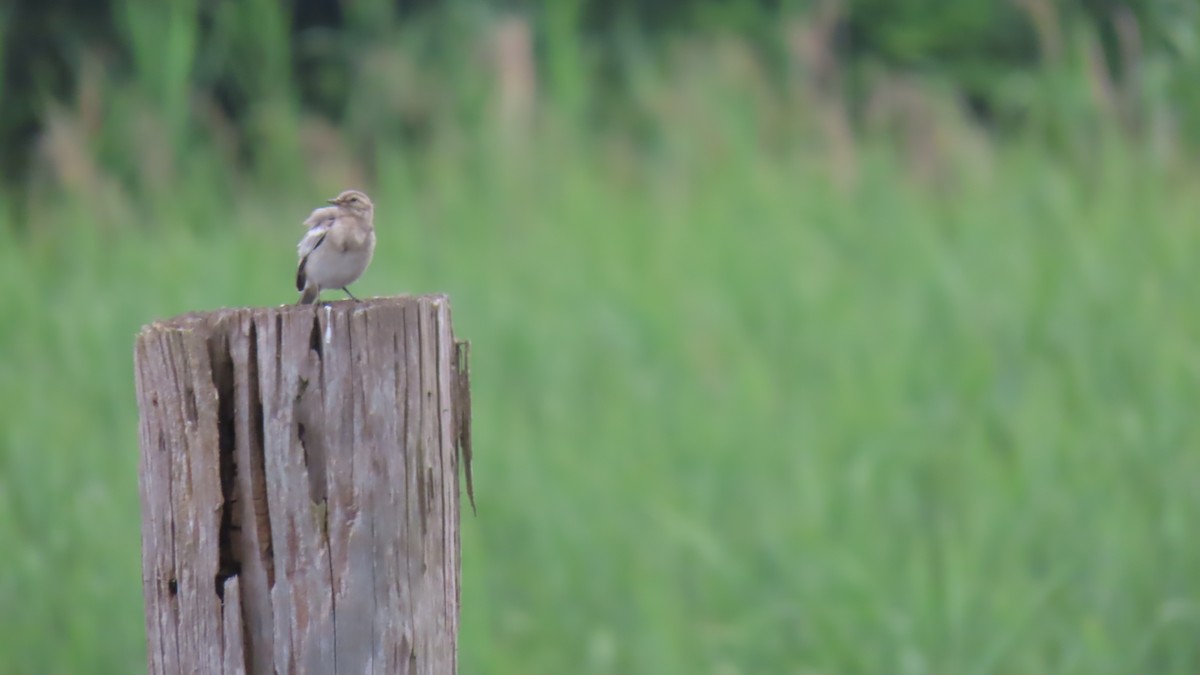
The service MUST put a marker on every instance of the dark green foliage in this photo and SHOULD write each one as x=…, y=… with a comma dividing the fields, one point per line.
x=256, y=53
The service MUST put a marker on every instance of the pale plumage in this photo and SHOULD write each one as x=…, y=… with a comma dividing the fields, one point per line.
x=338, y=246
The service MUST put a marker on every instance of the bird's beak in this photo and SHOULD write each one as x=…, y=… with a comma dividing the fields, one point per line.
x=332, y=201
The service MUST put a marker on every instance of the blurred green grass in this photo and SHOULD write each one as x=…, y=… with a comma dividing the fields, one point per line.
x=746, y=400
x=729, y=417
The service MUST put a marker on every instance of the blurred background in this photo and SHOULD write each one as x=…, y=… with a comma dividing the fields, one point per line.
x=812, y=337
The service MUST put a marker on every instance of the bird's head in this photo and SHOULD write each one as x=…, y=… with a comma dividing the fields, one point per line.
x=355, y=201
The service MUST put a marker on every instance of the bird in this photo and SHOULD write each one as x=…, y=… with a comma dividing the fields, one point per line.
x=338, y=246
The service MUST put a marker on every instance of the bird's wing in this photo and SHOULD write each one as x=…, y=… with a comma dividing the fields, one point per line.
x=318, y=225
x=320, y=215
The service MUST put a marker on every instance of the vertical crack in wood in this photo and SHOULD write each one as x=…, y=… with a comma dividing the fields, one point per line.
x=277, y=349
x=309, y=412
x=314, y=338
x=342, y=445
x=257, y=469
x=189, y=404
x=172, y=583
x=404, y=589
x=316, y=461
x=412, y=469
x=251, y=540
x=221, y=370
x=424, y=394
x=462, y=412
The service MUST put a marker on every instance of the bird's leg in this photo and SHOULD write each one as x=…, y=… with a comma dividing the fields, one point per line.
x=344, y=288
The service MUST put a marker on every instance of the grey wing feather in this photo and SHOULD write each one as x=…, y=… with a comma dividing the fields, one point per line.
x=318, y=226
x=301, y=274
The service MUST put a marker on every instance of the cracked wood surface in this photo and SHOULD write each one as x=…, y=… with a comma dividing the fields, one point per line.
x=299, y=486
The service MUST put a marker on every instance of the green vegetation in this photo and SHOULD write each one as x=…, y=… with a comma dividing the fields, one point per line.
x=752, y=395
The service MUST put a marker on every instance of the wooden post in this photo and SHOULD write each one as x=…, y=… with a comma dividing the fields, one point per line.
x=300, y=502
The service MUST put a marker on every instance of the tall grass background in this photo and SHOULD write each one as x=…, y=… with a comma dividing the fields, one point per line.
x=779, y=366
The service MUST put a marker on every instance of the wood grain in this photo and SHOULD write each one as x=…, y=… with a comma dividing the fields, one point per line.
x=299, y=486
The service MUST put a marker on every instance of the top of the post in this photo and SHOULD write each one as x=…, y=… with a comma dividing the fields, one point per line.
x=326, y=310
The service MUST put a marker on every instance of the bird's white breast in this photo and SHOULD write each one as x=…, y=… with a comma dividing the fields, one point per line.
x=331, y=267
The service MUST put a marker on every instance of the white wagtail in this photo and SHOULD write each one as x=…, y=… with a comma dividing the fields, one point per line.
x=337, y=247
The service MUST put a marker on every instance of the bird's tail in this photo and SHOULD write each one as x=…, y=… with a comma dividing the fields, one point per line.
x=310, y=295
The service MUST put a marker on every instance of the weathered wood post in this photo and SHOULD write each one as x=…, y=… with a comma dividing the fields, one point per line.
x=300, y=501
